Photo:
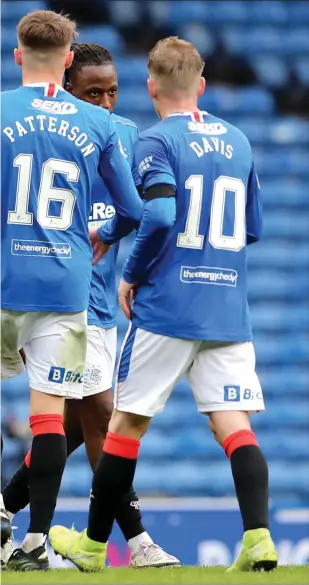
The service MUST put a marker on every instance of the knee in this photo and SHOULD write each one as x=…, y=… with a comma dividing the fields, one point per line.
x=226, y=423
x=128, y=424
x=96, y=415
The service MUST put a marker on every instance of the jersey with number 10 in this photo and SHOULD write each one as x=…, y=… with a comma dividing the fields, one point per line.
x=53, y=146
x=196, y=287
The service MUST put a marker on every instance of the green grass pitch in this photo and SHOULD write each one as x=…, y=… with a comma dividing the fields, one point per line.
x=289, y=575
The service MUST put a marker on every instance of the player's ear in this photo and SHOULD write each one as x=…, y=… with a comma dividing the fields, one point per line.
x=202, y=87
x=152, y=88
x=69, y=60
x=18, y=57
x=68, y=87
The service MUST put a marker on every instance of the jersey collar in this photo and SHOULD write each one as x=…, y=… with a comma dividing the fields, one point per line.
x=196, y=116
x=50, y=89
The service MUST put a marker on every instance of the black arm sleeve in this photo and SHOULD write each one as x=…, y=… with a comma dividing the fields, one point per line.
x=139, y=189
x=161, y=190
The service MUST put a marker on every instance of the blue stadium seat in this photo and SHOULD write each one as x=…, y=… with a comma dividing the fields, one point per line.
x=223, y=101
x=273, y=284
x=293, y=160
x=274, y=317
x=286, y=413
x=132, y=71
x=288, y=380
x=103, y=34
x=302, y=68
x=286, y=225
x=274, y=74
x=13, y=11
x=288, y=193
x=298, y=12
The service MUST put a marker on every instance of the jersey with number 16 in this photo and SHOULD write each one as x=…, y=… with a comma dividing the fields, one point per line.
x=196, y=286
x=52, y=148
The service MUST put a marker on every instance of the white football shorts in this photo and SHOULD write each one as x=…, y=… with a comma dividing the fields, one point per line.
x=55, y=349
x=100, y=359
x=222, y=376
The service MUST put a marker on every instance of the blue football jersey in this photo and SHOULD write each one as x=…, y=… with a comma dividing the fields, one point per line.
x=103, y=297
x=196, y=285
x=52, y=147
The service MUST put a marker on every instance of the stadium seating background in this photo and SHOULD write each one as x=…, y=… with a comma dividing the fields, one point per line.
x=179, y=455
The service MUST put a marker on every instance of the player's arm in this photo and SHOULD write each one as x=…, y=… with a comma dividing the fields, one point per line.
x=117, y=176
x=253, y=209
x=159, y=213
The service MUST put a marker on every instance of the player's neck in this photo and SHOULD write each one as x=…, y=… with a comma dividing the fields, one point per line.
x=168, y=107
x=42, y=77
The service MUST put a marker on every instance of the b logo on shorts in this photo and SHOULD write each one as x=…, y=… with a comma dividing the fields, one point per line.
x=56, y=375
x=231, y=393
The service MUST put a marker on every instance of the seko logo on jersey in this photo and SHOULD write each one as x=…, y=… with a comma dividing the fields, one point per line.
x=54, y=107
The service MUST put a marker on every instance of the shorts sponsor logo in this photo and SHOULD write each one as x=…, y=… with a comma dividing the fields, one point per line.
x=251, y=395
x=231, y=393
x=208, y=275
x=60, y=375
x=235, y=394
x=41, y=248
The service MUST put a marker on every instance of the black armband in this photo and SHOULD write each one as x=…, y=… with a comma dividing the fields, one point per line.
x=140, y=190
x=161, y=190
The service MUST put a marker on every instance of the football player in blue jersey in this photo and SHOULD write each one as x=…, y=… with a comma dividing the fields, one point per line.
x=53, y=146
x=92, y=77
x=187, y=270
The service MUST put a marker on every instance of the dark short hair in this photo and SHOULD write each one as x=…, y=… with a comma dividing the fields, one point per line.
x=86, y=54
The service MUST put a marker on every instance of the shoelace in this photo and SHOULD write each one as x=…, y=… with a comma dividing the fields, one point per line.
x=153, y=552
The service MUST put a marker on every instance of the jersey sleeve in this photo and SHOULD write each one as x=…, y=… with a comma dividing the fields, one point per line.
x=135, y=173
x=253, y=208
x=117, y=175
x=151, y=159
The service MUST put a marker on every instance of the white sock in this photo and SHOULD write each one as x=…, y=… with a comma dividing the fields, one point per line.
x=137, y=543
x=33, y=540
x=1, y=501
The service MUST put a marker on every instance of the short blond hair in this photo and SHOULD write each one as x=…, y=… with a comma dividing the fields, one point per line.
x=176, y=64
x=45, y=30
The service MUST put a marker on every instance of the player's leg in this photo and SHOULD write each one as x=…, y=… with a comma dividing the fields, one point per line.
x=95, y=412
x=16, y=492
x=226, y=388
x=150, y=365
x=6, y=529
x=11, y=365
x=49, y=339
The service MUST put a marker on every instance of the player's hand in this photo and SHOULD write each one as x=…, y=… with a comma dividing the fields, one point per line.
x=126, y=295
x=98, y=247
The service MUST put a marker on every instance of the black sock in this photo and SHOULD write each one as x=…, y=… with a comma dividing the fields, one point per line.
x=48, y=457
x=250, y=473
x=16, y=492
x=113, y=478
x=129, y=516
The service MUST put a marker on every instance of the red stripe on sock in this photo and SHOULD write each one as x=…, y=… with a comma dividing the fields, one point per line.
x=46, y=424
x=27, y=459
x=121, y=446
x=51, y=90
x=238, y=439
